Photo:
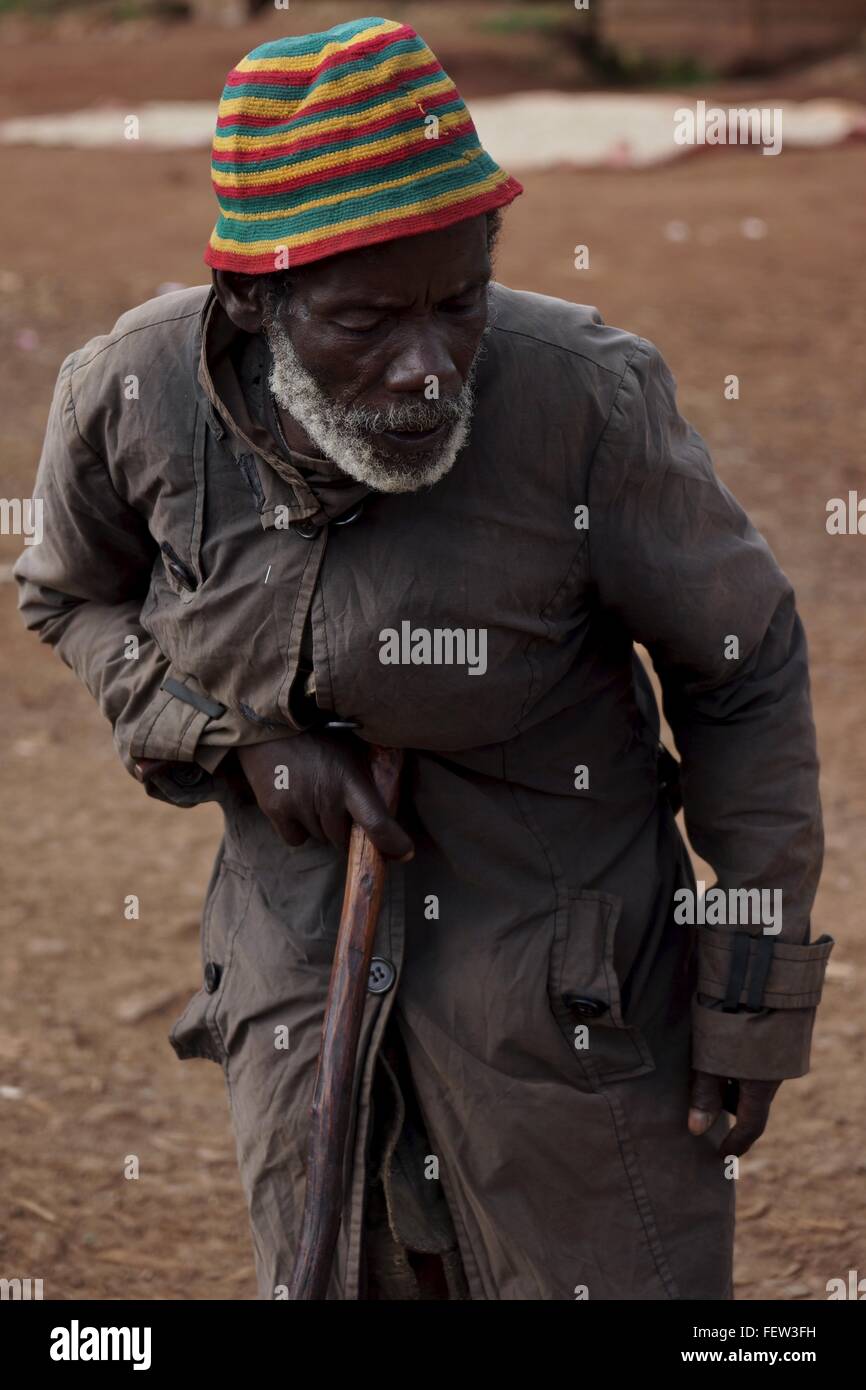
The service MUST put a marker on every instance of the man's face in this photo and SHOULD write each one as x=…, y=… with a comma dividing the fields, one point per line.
x=374, y=353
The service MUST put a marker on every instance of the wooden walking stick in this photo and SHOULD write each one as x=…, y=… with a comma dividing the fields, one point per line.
x=332, y=1096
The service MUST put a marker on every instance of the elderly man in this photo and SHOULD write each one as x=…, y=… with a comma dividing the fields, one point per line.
x=356, y=492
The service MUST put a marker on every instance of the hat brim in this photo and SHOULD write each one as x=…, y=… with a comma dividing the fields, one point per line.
x=285, y=256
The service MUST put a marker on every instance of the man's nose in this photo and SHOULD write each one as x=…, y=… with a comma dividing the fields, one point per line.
x=422, y=360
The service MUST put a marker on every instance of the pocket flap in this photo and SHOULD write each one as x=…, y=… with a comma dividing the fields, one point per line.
x=584, y=991
x=582, y=965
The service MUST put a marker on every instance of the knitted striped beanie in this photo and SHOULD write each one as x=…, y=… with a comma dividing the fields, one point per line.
x=330, y=141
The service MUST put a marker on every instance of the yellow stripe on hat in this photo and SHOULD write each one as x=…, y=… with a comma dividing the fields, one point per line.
x=344, y=86
x=340, y=197
x=306, y=62
x=442, y=200
x=407, y=140
x=410, y=102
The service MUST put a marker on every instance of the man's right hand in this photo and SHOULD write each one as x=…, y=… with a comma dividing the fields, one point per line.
x=329, y=787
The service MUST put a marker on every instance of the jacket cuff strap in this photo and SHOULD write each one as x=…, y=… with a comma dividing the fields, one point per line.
x=760, y=972
x=174, y=721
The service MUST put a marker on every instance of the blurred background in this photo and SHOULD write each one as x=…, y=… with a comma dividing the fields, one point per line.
x=734, y=263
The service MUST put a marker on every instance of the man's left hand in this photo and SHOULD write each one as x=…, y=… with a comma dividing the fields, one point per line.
x=753, y=1109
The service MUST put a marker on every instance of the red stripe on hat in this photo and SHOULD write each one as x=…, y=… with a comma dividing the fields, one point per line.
x=342, y=58
x=338, y=103
x=330, y=137
x=331, y=172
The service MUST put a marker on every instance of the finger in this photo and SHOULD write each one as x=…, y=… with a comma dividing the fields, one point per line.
x=705, y=1101
x=306, y=817
x=337, y=826
x=753, y=1112
x=367, y=809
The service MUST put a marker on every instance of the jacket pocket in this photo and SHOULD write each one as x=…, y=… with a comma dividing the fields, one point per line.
x=585, y=996
x=197, y=1033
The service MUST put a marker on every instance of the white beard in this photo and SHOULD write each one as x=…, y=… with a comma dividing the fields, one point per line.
x=347, y=435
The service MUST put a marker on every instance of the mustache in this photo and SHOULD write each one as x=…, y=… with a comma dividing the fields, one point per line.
x=406, y=415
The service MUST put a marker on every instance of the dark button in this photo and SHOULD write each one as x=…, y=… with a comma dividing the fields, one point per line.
x=306, y=530
x=182, y=577
x=585, y=1007
x=182, y=573
x=353, y=516
x=382, y=975
x=212, y=975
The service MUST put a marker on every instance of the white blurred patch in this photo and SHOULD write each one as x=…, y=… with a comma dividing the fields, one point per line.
x=530, y=130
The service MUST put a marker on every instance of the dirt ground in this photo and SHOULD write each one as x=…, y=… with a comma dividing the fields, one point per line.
x=87, y=1076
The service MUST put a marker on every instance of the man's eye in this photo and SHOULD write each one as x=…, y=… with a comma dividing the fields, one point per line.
x=463, y=305
x=359, y=328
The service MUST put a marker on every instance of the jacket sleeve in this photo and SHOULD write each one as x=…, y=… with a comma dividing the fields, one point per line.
x=82, y=590
x=678, y=563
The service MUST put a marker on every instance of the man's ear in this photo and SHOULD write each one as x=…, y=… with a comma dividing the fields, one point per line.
x=242, y=297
